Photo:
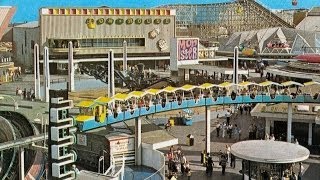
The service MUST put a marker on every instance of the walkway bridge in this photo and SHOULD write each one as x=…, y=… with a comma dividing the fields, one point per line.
x=98, y=113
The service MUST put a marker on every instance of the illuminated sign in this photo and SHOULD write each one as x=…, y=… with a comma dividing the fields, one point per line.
x=188, y=49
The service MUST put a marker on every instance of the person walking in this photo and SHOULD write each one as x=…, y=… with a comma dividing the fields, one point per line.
x=233, y=161
x=218, y=129
x=230, y=130
x=228, y=152
x=209, y=167
x=224, y=128
x=183, y=163
x=228, y=117
x=223, y=163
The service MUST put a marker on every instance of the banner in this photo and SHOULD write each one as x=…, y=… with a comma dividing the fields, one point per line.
x=188, y=49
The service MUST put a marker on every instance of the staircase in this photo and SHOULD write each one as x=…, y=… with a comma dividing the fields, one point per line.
x=267, y=14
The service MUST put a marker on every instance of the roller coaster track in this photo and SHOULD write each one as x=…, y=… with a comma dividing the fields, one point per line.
x=22, y=128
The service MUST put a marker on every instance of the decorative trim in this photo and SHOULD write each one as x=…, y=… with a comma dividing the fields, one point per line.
x=129, y=21
x=138, y=21
x=148, y=21
x=157, y=21
x=119, y=21
x=90, y=23
x=166, y=21
x=100, y=21
x=109, y=21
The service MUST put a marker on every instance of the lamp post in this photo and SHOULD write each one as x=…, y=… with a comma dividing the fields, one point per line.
x=15, y=104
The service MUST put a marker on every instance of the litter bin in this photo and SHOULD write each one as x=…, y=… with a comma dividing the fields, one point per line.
x=190, y=140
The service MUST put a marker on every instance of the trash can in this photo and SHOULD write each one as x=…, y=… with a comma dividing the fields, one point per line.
x=190, y=140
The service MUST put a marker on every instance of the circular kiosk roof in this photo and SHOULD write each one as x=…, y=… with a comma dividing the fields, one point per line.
x=270, y=151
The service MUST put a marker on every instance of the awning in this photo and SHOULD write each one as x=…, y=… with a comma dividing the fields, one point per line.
x=153, y=91
x=207, y=85
x=169, y=89
x=247, y=83
x=103, y=100
x=226, y=84
x=289, y=83
x=311, y=83
x=269, y=83
x=85, y=104
x=121, y=97
x=137, y=94
x=188, y=87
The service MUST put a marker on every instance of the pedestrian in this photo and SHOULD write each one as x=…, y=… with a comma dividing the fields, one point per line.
x=25, y=93
x=183, y=163
x=241, y=109
x=224, y=128
x=230, y=130
x=223, y=163
x=188, y=170
x=228, y=117
x=209, y=167
x=17, y=90
x=233, y=161
x=228, y=152
x=237, y=132
x=218, y=129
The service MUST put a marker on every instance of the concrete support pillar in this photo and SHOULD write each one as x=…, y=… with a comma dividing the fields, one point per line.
x=236, y=66
x=310, y=134
x=111, y=88
x=70, y=67
x=46, y=72
x=289, y=125
x=36, y=67
x=208, y=131
x=125, y=61
x=267, y=129
x=137, y=140
x=21, y=164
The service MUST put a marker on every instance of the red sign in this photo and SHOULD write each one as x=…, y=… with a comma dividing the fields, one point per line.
x=187, y=49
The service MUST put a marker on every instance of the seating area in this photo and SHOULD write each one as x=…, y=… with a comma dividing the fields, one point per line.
x=121, y=107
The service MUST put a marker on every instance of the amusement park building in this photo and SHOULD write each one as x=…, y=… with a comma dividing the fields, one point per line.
x=276, y=41
x=94, y=31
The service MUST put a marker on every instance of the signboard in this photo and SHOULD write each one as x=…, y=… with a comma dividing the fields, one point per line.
x=184, y=51
x=122, y=145
x=82, y=139
x=188, y=49
x=207, y=54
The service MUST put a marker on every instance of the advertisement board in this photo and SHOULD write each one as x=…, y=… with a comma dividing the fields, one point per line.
x=121, y=145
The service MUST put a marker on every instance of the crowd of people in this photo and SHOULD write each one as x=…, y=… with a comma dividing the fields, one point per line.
x=177, y=163
x=25, y=94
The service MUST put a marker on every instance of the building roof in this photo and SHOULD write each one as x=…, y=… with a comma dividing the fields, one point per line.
x=298, y=40
x=6, y=13
x=32, y=24
x=312, y=21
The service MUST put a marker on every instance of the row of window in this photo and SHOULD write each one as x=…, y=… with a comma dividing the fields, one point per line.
x=87, y=43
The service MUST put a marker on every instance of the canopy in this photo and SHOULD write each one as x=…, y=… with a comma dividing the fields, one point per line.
x=289, y=83
x=153, y=91
x=170, y=89
x=188, y=87
x=311, y=83
x=226, y=84
x=207, y=86
x=85, y=104
x=269, y=83
x=121, y=97
x=137, y=94
x=103, y=100
x=247, y=83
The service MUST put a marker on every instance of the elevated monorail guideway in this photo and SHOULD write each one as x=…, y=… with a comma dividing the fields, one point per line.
x=121, y=107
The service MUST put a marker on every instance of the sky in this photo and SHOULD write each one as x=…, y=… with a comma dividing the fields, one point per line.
x=28, y=10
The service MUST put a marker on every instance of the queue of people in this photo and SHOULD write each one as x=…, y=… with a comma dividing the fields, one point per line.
x=177, y=163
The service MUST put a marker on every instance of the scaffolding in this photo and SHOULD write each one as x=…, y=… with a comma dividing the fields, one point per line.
x=219, y=20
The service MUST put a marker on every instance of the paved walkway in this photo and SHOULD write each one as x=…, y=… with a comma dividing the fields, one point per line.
x=218, y=143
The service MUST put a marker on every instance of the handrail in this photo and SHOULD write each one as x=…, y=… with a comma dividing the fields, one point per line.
x=163, y=166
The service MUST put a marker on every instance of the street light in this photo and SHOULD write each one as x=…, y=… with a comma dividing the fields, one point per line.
x=15, y=104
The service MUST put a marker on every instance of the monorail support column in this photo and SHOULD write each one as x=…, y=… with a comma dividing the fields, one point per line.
x=21, y=164
x=125, y=61
x=111, y=88
x=289, y=125
x=310, y=134
x=36, y=67
x=46, y=72
x=208, y=131
x=70, y=67
x=137, y=141
x=267, y=129
x=236, y=66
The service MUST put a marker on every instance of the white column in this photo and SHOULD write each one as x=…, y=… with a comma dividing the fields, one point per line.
x=21, y=164
x=137, y=140
x=37, y=88
x=236, y=65
x=125, y=61
x=70, y=67
x=111, y=90
x=208, y=131
x=310, y=134
x=46, y=72
x=289, y=125
x=267, y=129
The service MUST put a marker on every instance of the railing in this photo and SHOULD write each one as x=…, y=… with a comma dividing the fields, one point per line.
x=154, y=175
x=154, y=159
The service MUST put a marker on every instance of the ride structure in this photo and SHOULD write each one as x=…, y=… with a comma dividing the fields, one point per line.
x=121, y=107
